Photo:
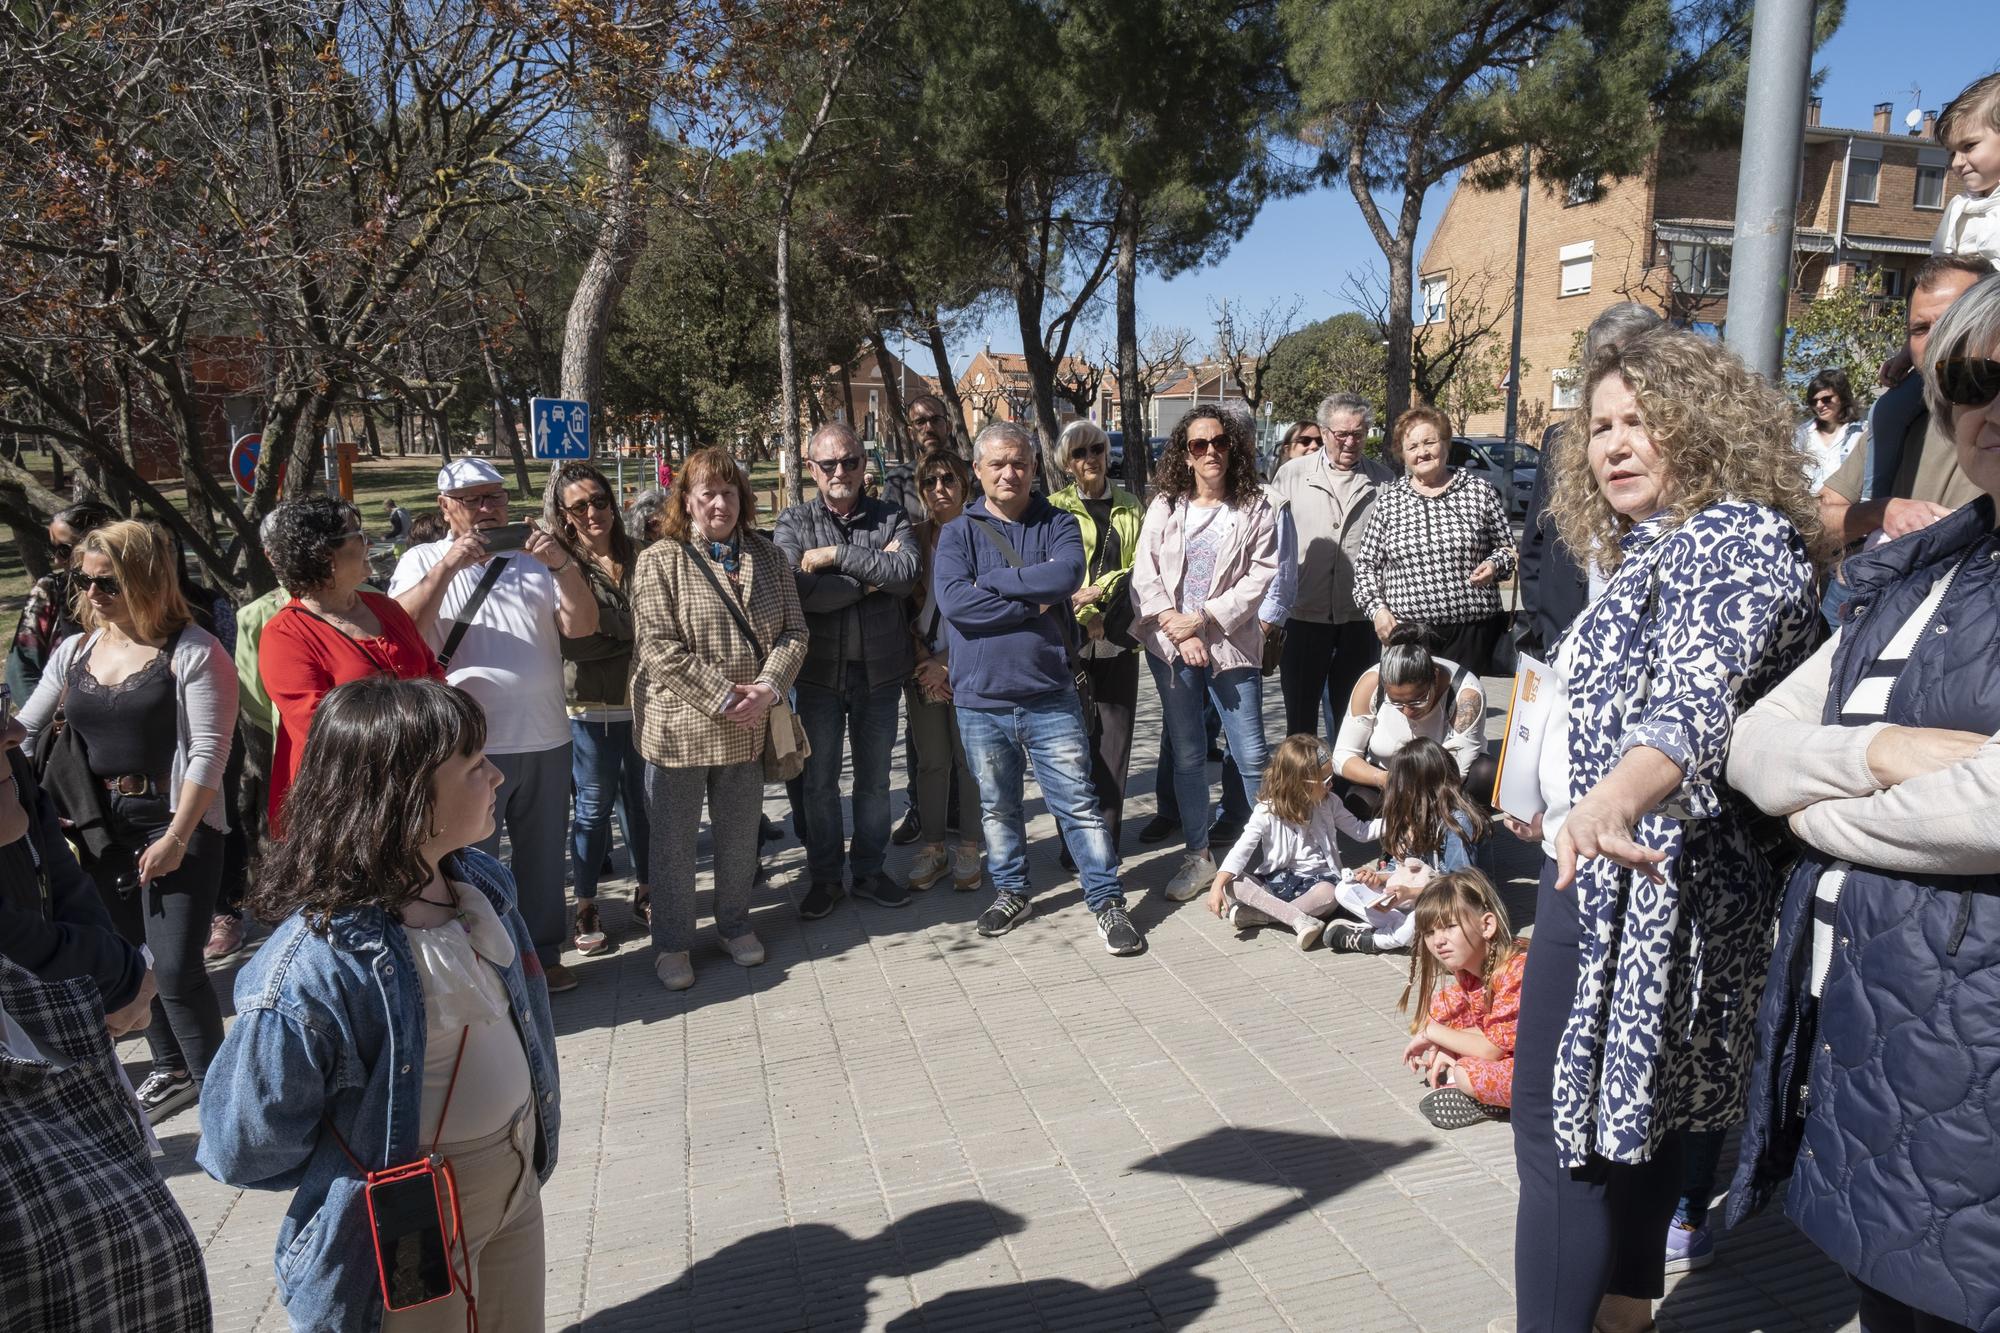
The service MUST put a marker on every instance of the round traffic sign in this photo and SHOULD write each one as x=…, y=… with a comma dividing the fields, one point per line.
x=243, y=461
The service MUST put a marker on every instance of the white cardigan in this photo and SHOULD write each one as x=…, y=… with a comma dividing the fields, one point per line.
x=1305, y=849
x=205, y=690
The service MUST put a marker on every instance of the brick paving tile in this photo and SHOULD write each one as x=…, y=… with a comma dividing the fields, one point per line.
x=894, y=1124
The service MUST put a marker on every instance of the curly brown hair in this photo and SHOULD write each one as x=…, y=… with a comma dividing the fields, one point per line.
x=353, y=840
x=1722, y=431
x=1174, y=478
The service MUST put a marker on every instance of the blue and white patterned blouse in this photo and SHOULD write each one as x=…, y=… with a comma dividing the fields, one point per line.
x=1696, y=624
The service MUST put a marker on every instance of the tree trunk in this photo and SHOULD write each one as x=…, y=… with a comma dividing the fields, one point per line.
x=788, y=365
x=369, y=428
x=503, y=411
x=947, y=384
x=892, y=396
x=1131, y=394
x=1401, y=328
x=619, y=235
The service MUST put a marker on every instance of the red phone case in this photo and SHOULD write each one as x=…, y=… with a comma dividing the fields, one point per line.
x=390, y=1176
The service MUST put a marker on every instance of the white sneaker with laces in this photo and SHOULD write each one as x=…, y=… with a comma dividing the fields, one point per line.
x=931, y=865
x=968, y=866
x=1197, y=872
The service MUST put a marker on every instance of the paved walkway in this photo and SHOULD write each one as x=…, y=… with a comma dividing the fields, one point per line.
x=894, y=1123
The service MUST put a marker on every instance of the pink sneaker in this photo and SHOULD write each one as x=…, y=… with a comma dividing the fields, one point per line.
x=225, y=937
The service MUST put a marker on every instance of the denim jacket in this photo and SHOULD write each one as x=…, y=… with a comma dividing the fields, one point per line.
x=333, y=1026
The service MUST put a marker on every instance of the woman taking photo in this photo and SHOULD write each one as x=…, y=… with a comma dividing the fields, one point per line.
x=152, y=699
x=1437, y=548
x=1654, y=913
x=332, y=631
x=1880, y=751
x=1110, y=518
x=1830, y=434
x=704, y=686
x=1413, y=693
x=396, y=1012
x=943, y=482
x=579, y=508
x=1207, y=555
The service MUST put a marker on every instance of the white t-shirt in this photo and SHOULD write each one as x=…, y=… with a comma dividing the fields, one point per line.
x=510, y=660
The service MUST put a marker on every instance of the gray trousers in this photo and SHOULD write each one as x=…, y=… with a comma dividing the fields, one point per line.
x=933, y=727
x=735, y=793
x=532, y=807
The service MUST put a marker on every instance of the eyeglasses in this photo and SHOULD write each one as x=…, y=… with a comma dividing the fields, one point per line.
x=1089, y=451
x=1219, y=443
x=480, y=499
x=1416, y=707
x=928, y=419
x=1969, y=381
x=104, y=583
x=352, y=534
x=1347, y=436
x=598, y=502
x=846, y=463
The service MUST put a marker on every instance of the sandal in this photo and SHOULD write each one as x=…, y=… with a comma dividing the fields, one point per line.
x=642, y=907
x=589, y=936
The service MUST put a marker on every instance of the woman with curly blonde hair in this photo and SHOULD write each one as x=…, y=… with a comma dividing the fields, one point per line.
x=1652, y=928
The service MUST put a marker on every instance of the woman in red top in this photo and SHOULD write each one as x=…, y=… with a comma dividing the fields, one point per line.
x=332, y=631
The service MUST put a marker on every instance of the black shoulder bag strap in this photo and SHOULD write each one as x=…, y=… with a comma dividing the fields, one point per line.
x=728, y=602
x=470, y=611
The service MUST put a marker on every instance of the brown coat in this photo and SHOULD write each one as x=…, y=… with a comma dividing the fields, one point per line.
x=687, y=651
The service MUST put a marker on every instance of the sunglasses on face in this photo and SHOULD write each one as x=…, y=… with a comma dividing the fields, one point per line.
x=352, y=534
x=598, y=502
x=104, y=583
x=942, y=481
x=1824, y=400
x=1306, y=441
x=1196, y=448
x=1969, y=381
x=849, y=463
x=1088, y=451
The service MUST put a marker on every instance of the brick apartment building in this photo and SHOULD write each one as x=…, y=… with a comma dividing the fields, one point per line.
x=1869, y=202
x=996, y=387
x=865, y=388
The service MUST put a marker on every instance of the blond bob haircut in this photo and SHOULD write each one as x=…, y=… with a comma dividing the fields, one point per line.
x=1291, y=785
x=713, y=466
x=142, y=560
x=1079, y=432
x=1722, y=432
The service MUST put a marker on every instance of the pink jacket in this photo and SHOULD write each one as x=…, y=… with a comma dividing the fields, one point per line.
x=1243, y=573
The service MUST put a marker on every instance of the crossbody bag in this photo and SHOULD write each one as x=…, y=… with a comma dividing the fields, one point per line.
x=786, y=748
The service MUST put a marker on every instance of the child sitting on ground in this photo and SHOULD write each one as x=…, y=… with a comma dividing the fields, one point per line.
x=1427, y=826
x=1467, y=982
x=1291, y=836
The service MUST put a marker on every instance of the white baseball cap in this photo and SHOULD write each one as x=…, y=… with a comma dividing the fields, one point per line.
x=462, y=474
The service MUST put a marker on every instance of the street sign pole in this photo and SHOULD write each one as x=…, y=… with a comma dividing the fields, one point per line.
x=1767, y=182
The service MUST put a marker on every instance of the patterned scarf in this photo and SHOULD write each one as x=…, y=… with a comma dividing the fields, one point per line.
x=728, y=554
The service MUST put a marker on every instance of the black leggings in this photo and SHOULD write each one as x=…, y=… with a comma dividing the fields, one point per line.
x=1586, y=1232
x=170, y=916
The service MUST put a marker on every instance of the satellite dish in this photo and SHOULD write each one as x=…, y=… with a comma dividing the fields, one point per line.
x=1914, y=119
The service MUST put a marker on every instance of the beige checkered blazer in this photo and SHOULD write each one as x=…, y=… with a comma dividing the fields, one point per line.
x=687, y=651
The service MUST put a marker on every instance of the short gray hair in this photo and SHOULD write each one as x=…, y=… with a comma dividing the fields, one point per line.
x=1345, y=404
x=832, y=430
x=1002, y=433
x=645, y=506
x=1081, y=431
x=1969, y=327
x=1617, y=325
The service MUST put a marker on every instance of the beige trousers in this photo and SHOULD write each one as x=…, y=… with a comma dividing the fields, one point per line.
x=500, y=1203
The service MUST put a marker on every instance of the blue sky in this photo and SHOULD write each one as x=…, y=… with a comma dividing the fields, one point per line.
x=1306, y=246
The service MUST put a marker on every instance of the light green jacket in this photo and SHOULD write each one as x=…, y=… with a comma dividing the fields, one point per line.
x=1127, y=516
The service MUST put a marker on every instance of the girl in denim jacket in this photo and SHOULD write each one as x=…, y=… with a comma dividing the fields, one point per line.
x=396, y=1011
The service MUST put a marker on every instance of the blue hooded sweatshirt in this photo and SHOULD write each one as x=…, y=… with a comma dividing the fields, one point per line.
x=1004, y=648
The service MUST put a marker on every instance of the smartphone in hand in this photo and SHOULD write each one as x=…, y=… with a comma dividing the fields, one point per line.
x=507, y=537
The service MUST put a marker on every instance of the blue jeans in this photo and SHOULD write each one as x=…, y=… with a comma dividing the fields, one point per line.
x=1047, y=728
x=606, y=771
x=1238, y=697
x=835, y=719
x=1235, y=807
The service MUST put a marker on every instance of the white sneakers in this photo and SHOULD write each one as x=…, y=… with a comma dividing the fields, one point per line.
x=967, y=867
x=932, y=864
x=1197, y=872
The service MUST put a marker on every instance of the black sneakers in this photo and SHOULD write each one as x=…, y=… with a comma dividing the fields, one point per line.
x=819, y=900
x=1158, y=829
x=1008, y=911
x=1120, y=936
x=163, y=1094
x=881, y=890
x=909, y=830
x=1351, y=937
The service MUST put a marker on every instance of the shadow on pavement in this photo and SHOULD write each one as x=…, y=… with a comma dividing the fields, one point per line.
x=817, y=1275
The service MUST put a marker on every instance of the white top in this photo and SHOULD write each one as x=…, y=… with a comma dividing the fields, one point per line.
x=1377, y=736
x=1304, y=849
x=510, y=660
x=1970, y=227
x=463, y=992
x=1554, y=767
x=1825, y=453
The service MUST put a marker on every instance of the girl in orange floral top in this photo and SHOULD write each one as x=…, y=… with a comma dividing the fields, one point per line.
x=1467, y=982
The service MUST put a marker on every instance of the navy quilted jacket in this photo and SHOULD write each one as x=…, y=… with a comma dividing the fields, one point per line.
x=1885, y=1103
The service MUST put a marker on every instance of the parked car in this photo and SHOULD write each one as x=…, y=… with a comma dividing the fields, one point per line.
x=1501, y=463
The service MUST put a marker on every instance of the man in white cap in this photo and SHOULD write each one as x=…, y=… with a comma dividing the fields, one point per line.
x=496, y=631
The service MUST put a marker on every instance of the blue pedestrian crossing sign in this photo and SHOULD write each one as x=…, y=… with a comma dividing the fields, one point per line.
x=561, y=427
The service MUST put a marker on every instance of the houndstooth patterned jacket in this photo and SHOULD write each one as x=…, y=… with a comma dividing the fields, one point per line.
x=1419, y=550
x=89, y=1236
